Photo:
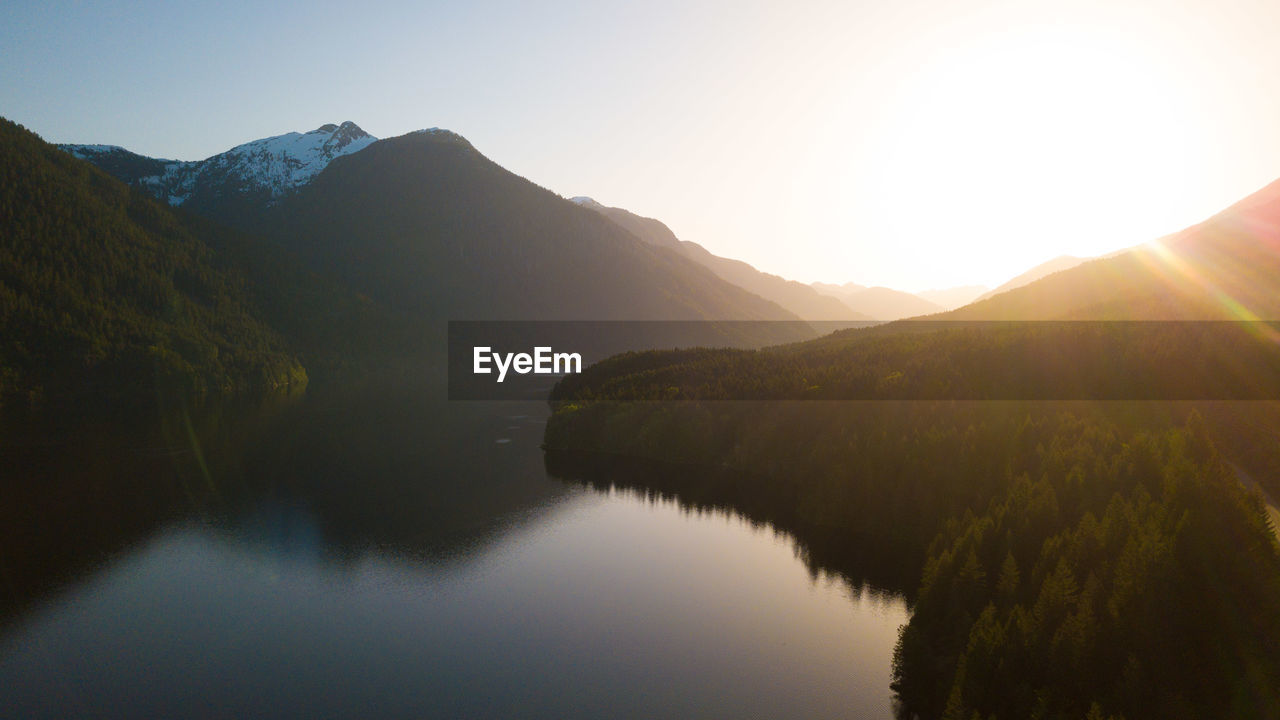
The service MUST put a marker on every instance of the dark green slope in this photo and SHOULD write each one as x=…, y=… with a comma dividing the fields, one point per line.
x=1074, y=559
x=106, y=292
x=426, y=223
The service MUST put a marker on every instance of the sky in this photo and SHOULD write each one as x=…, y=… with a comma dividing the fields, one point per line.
x=915, y=144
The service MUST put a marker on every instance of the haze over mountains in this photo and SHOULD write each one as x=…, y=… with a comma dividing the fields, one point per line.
x=320, y=249
x=881, y=303
x=313, y=254
x=810, y=302
x=268, y=187
x=1225, y=268
x=428, y=224
x=1045, y=269
x=316, y=248
x=952, y=298
x=1165, y=428
x=794, y=296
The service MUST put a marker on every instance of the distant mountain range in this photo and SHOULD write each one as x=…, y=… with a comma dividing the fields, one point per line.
x=952, y=298
x=317, y=249
x=881, y=303
x=1152, y=449
x=243, y=186
x=305, y=250
x=1045, y=269
x=796, y=297
x=816, y=301
x=427, y=224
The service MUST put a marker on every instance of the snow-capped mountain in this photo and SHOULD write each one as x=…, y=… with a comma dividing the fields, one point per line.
x=587, y=202
x=269, y=167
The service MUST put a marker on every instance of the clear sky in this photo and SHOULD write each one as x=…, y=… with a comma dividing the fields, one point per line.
x=910, y=143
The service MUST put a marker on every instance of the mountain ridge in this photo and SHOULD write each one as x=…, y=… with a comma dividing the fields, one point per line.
x=273, y=165
x=881, y=303
x=794, y=296
x=1044, y=269
x=427, y=219
x=1223, y=268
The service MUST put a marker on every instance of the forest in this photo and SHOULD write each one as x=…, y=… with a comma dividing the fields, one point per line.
x=107, y=294
x=1085, y=558
x=98, y=283
x=927, y=360
x=1062, y=502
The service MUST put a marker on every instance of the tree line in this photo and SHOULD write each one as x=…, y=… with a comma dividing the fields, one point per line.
x=1074, y=559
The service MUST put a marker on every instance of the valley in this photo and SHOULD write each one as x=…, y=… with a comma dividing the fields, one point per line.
x=1014, y=492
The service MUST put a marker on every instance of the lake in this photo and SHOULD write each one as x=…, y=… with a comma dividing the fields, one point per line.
x=397, y=555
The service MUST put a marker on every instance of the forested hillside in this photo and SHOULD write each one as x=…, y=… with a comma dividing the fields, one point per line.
x=1086, y=558
x=916, y=360
x=105, y=291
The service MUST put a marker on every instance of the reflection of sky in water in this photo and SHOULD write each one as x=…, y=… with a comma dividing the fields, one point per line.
x=458, y=582
x=606, y=604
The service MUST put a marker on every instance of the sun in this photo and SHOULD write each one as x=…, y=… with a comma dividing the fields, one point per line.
x=1022, y=147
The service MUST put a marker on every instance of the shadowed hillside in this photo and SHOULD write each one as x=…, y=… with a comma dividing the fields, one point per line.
x=796, y=297
x=105, y=291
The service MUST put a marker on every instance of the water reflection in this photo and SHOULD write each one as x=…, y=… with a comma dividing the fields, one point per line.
x=756, y=500
x=386, y=556
x=392, y=470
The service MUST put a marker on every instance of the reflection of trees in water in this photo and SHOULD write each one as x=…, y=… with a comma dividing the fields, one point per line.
x=399, y=473
x=1082, y=558
x=862, y=562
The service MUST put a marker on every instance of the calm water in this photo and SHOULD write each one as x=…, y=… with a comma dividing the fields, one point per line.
x=404, y=558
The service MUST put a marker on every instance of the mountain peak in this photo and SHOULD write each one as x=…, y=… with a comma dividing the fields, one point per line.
x=586, y=202
x=85, y=152
x=346, y=128
x=275, y=165
x=441, y=134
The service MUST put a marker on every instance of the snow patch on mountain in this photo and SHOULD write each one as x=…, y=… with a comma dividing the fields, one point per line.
x=86, y=152
x=276, y=165
x=586, y=202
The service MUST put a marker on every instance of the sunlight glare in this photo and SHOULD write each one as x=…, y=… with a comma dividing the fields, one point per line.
x=1033, y=146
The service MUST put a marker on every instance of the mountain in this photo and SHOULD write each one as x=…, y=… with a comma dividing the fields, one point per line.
x=104, y=290
x=1224, y=268
x=267, y=168
x=833, y=289
x=1022, y=521
x=654, y=232
x=425, y=225
x=1037, y=603
x=952, y=298
x=796, y=297
x=881, y=303
x=1045, y=269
